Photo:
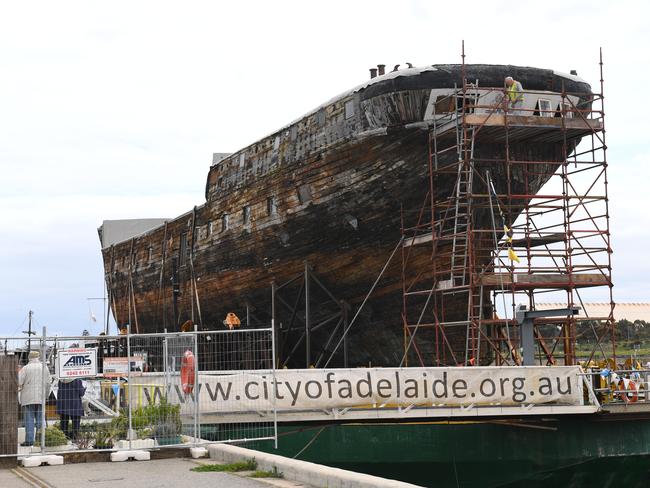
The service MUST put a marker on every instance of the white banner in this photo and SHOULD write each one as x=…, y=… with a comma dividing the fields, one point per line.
x=309, y=389
x=77, y=362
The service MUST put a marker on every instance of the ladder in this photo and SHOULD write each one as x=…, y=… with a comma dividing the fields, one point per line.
x=462, y=193
x=461, y=224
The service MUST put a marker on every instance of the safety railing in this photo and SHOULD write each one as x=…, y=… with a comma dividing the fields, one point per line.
x=620, y=386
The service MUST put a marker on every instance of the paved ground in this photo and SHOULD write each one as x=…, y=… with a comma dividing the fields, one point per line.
x=9, y=480
x=164, y=473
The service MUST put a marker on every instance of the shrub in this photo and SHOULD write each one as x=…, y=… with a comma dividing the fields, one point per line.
x=54, y=437
x=145, y=420
x=84, y=439
x=104, y=437
x=166, y=429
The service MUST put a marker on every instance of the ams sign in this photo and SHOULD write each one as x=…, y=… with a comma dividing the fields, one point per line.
x=77, y=363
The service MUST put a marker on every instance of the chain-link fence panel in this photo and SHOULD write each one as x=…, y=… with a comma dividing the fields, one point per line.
x=14, y=357
x=192, y=374
x=237, y=399
x=161, y=389
x=87, y=393
x=143, y=391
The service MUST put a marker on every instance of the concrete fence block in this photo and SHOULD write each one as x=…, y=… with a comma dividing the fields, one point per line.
x=198, y=452
x=136, y=444
x=33, y=461
x=121, y=456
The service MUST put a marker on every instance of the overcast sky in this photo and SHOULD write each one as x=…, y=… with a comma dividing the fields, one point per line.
x=112, y=110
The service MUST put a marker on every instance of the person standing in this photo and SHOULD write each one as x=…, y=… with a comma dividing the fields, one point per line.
x=69, y=405
x=33, y=388
x=515, y=94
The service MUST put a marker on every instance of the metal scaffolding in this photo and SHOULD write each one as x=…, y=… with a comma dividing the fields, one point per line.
x=525, y=219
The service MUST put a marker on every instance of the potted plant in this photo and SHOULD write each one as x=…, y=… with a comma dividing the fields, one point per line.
x=167, y=433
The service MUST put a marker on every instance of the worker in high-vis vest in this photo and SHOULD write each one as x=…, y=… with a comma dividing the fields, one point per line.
x=515, y=95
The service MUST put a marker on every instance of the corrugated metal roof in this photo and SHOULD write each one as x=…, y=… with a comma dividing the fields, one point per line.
x=628, y=310
x=115, y=231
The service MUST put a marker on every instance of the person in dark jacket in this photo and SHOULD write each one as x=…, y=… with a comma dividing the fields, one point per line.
x=68, y=405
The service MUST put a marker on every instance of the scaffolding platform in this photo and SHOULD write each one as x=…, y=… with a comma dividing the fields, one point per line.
x=547, y=280
x=537, y=241
x=531, y=241
x=531, y=128
x=417, y=240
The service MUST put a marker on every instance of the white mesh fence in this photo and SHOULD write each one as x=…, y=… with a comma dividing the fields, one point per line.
x=140, y=391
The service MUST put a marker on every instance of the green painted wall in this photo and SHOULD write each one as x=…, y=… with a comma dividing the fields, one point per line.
x=568, y=451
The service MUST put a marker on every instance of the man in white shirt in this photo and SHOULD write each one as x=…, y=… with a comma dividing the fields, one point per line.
x=30, y=388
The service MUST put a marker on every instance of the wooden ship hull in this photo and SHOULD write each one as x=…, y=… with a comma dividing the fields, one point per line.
x=327, y=192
